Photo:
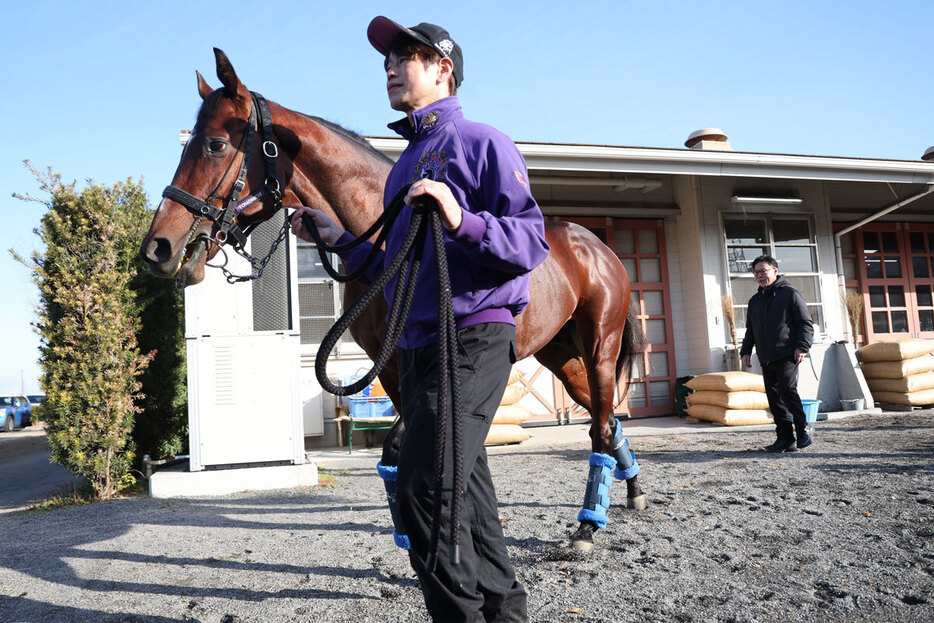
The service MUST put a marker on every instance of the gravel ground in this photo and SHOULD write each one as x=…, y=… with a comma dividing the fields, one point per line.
x=841, y=531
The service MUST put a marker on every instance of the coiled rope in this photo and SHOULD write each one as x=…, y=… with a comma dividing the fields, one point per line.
x=410, y=256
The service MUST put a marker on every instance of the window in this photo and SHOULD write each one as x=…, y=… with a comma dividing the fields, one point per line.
x=320, y=300
x=790, y=240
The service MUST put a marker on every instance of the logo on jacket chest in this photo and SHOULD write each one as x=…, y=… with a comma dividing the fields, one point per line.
x=433, y=165
x=430, y=121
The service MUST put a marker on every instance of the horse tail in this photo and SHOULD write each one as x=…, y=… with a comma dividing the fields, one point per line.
x=632, y=338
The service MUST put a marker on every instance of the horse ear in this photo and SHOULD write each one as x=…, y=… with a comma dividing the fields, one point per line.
x=226, y=73
x=204, y=89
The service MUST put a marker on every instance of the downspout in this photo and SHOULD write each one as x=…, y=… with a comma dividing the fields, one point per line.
x=926, y=190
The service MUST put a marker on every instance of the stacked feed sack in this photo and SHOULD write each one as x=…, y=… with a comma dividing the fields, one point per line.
x=730, y=398
x=900, y=373
x=505, y=427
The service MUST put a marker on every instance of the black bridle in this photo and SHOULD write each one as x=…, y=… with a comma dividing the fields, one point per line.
x=226, y=229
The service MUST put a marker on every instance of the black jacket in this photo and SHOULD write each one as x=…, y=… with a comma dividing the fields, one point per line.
x=777, y=323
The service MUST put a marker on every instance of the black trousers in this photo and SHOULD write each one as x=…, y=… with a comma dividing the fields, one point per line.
x=483, y=586
x=781, y=388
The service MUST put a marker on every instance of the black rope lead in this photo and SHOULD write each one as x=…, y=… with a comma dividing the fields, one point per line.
x=410, y=255
x=448, y=402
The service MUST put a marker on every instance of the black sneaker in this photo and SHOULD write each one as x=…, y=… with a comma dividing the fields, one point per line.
x=804, y=441
x=781, y=445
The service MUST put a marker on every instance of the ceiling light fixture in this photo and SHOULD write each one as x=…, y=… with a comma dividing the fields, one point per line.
x=772, y=200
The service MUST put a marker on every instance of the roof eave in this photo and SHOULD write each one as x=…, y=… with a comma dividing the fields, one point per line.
x=659, y=161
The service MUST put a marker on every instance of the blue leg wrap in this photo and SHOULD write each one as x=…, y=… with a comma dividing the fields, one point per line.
x=597, y=496
x=388, y=474
x=626, y=466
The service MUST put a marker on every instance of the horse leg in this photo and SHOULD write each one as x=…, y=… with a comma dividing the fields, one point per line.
x=600, y=349
x=392, y=445
x=388, y=468
x=564, y=360
x=611, y=348
x=627, y=469
x=591, y=381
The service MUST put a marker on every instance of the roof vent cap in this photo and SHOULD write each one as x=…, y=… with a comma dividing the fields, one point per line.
x=712, y=139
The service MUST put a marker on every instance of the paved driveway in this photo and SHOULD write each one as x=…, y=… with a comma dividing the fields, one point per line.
x=26, y=475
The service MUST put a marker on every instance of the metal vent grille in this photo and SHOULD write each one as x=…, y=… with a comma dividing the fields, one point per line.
x=316, y=299
x=271, y=295
x=319, y=311
x=223, y=376
x=314, y=329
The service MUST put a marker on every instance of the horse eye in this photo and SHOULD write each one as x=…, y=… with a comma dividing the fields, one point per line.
x=215, y=146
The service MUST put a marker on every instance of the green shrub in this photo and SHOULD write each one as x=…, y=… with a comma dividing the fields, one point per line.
x=111, y=335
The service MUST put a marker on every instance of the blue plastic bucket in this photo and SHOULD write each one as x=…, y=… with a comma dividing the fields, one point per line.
x=810, y=410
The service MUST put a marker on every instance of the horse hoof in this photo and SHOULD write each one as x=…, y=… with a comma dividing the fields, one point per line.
x=582, y=546
x=638, y=503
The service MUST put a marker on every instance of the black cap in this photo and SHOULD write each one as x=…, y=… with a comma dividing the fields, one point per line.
x=382, y=33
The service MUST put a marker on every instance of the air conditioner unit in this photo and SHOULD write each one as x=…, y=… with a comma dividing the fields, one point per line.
x=243, y=343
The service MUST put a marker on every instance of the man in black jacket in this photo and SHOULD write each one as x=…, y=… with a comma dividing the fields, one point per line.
x=779, y=325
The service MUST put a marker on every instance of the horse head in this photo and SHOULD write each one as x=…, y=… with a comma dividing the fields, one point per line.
x=184, y=233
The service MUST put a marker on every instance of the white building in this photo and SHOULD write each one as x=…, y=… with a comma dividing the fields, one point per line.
x=686, y=223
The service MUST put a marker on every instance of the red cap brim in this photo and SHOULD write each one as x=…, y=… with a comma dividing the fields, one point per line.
x=382, y=31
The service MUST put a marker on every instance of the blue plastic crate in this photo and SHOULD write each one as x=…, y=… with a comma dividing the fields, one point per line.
x=365, y=406
x=810, y=410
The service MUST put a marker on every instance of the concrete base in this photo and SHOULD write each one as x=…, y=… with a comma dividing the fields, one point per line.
x=839, y=415
x=177, y=482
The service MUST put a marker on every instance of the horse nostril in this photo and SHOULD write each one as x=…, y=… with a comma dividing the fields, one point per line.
x=157, y=251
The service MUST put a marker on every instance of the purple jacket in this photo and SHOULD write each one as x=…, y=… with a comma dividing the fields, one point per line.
x=502, y=235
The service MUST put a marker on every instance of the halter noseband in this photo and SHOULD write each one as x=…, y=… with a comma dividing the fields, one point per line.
x=225, y=223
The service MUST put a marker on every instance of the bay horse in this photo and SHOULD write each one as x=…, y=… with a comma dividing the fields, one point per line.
x=577, y=323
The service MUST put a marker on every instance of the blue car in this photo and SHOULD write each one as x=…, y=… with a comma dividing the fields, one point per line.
x=15, y=412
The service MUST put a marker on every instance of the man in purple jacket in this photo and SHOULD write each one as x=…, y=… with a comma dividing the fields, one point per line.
x=494, y=236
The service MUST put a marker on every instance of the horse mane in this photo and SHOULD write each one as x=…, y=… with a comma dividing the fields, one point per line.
x=350, y=135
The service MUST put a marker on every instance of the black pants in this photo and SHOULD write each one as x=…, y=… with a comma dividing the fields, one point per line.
x=483, y=586
x=781, y=388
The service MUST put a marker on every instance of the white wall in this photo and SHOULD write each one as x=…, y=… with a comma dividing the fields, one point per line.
x=835, y=318
x=686, y=294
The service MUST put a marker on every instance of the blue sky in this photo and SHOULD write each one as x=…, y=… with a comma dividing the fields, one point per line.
x=100, y=90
